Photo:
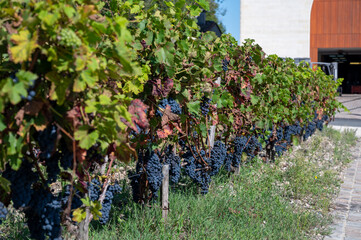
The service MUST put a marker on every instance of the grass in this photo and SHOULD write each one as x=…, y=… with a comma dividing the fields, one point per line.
x=289, y=199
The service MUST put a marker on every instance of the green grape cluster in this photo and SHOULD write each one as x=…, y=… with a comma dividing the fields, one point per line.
x=68, y=38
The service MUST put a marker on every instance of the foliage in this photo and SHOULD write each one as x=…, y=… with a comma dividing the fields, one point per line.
x=87, y=84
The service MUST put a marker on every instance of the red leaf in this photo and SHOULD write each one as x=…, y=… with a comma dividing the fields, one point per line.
x=138, y=110
x=162, y=89
x=165, y=132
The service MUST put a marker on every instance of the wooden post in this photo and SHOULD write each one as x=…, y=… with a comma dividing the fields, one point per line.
x=165, y=191
x=212, y=130
x=83, y=232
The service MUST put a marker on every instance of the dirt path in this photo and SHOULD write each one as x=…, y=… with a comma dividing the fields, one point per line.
x=347, y=206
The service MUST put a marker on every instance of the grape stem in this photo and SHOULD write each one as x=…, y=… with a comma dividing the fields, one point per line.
x=66, y=213
x=105, y=186
x=189, y=144
x=196, y=145
x=36, y=54
x=209, y=152
x=65, y=132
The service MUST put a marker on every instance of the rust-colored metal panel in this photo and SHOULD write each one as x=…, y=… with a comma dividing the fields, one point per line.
x=335, y=24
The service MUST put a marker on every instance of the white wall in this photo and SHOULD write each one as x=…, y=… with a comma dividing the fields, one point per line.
x=280, y=27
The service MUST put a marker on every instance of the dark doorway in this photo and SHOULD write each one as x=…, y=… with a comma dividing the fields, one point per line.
x=349, y=66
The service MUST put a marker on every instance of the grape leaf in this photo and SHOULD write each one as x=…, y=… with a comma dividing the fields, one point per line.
x=24, y=46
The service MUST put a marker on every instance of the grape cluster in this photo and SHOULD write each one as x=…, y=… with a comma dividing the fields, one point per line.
x=292, y=130
x=279, y=134
x=46, y=140
x=174, y=165
x=228, y=162
x=218, y=156
x=52, y=167
x=135, y=179
x=320, y=122
x=239, y=145
x=43, y=215
x=64, y=197
x=21, y=183
x=3, y=212
x=154, y=171
x=94, y=189
x=197, y=171
x=249, y=145
x=225, y=63
x=280, y=148
x=66, y=159
x=68, y=38
x=309, y=130
x=253, y=147
x=205, y=105
x=174, y=106
x=107, y=202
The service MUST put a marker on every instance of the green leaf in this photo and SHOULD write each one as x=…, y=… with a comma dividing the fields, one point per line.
x=194, y=107
x=254, y=99
x=26, y=76
x=86, y=139
x=95, y=209
x=203, y=129
x=88, y=77
x=15, y=162
x=69, y=11
x=24, y=46
x=164, y=56
x=5, y=184
x=48, y=18
x=204, y=4
x=195, y=11
x=2, y=124
x=104, y=100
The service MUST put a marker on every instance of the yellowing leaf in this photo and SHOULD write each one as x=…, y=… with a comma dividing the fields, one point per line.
x=79, y=215
x=24, y=46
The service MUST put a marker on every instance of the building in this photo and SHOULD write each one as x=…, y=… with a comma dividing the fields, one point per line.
x=318, y=30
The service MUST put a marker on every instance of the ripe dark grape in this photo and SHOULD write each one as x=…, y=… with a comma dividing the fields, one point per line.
x=239, y=144
x=64, y=196
x=197, y=171
x=3, y=212
x=174, y=106
x=94, y=189
x=43, y=215
x=280, y=148
x=66, y=160
x=205, y=105
x=21, y=183
x=225, y=63
x=107, y=202
x=151, y=163
x=154, y=171
x=292, y=130
x=218, y=156
x=279, y=133
x=52, y=167
x=135, y=179
x=228, y=162
x=309, y=130
x=320, y=122
x=174, y=165
x=46, y=140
